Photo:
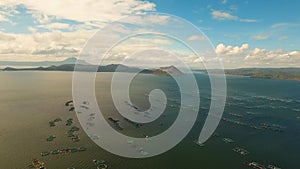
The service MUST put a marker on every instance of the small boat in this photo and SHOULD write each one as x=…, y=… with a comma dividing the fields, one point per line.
x=85, y=107
x=73, y=150
x=74, y=128
x=228, y=140
x=137, y=125
x=51, y=138
x=72, y=109
x=75, y=138
x=113, y=120
x=80, y=149
x=255, y=165
x=69, y=103
x=236, y=115
x=69, y=122
x=38, y=164
x=52, y=123
x=199, y=143
x=118, y=126
x=45, y=153
x=241, y=151
x=56, y=151
x=98, y=162
x=70, y=133
x=64, y=151
x=272, y=167
x=116, y=123
x=146, y=136
x=250, y=113
x=101, y=164
x=57, y=120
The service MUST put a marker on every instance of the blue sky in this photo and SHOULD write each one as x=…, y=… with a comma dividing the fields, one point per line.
x=264, y=14
x=253, y=32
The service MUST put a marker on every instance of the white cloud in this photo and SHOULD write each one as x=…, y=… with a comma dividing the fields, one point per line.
x=42, y=45
x=146, y=20
x=260, y=37
x=248, y=20
x=55, y=25
x=96, y=13
x=222, y=15
x=6, y=37
x=198, y=60
x=153, y=41
x=258, y=57
x=196, y=38
x=41, y=18
x=277, y=56
x=82, y=10
x=3, y=18
x=58, y=44
x=6, y=12
x=88, y=16
x=224, y=1
x=221, y=49
x=285, y=25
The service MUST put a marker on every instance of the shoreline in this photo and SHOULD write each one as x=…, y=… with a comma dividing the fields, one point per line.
x=292, y=74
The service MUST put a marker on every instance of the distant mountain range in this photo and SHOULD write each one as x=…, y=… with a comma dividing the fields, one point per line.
x=270, y=73
x=43, y=63
x=267, y=73
x=171, y=70
x=80, y=67
x=69, y=64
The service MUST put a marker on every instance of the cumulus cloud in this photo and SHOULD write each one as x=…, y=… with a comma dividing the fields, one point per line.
x=221, y=49
x=42, y=45
x=87, y=17
x=279, y=56
x=82, y=10
x=258, y=57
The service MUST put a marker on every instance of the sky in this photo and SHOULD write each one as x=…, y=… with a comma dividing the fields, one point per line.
x=244, y=33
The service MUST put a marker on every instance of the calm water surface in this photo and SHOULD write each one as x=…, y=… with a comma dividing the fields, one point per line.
x=29, y=100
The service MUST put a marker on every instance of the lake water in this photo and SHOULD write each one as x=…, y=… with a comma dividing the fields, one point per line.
x=29, y=100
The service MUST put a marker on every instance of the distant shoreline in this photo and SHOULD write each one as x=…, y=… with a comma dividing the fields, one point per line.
x=265, y=73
